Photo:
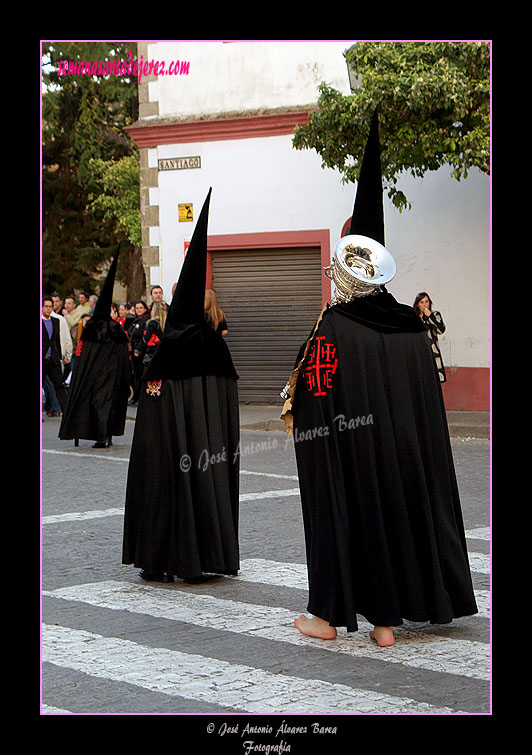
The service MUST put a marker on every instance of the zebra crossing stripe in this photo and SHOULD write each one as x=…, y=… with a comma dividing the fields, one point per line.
x=480, y=533
x=234, y=686
x=416, y=649
x=78, y=516
x=81, y=516
x=76, y=454
x=49, y=709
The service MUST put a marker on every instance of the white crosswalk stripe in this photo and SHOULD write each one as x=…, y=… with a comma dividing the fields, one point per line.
x=479, y=533
x=211, y=680
x=417, y=649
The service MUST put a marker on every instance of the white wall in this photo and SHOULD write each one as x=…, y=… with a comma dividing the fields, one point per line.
x=442, y=246
x=238, y=77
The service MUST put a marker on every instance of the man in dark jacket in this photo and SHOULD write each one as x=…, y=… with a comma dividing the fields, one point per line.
x=51, y=351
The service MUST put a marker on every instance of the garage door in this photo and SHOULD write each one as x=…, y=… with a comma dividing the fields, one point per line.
x=271, y=298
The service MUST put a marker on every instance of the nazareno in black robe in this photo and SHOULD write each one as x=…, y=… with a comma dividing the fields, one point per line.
x=182, y=507
x=99, y=388
x=382, y=517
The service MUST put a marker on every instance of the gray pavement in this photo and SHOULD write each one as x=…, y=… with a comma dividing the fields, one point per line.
x=227, y=648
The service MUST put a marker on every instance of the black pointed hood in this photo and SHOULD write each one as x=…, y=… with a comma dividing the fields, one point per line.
x=380, y=312
x=187, y=304
x=190, y=346
x=368, y=213
x=101, y=327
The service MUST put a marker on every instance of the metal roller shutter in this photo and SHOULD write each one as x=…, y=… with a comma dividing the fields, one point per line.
x=271, y=298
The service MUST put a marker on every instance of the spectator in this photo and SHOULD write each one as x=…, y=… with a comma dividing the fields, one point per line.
x=434, y=325
x=58, y=304
x=51, y=351
x=51, y=404
x=142, y=314
x=156, y=294
x=68, y=310
x=153, y=332
x=214, y=315
x=84, y=307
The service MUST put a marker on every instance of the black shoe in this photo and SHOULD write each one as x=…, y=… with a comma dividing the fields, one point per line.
x=155, y=577
x=103, y=444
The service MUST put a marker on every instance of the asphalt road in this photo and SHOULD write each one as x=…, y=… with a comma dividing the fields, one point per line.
x=227, y=649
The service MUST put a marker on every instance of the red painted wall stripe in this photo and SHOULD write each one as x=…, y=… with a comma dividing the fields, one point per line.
x=467, y=389
x=217, y=129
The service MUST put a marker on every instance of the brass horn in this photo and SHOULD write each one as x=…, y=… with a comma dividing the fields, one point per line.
x=360, y=266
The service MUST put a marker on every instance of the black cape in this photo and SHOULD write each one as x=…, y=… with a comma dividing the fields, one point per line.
x=99, y=388
x=181, y=514
x=382, y=518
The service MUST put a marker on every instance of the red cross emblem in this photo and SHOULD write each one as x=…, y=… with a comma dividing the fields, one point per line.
x=321, y=366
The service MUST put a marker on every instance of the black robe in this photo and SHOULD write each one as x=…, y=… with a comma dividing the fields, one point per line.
x=99, y=388
x=383, y=524
x=181, y=514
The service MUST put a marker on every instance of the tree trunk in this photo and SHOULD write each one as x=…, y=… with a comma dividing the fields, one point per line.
x=136, y=279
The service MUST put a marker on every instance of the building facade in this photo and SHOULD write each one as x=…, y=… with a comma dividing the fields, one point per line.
x=224, y=118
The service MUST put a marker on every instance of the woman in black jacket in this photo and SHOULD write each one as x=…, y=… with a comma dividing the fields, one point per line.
x=143, y=313
x=434, y=324
x=153, y=332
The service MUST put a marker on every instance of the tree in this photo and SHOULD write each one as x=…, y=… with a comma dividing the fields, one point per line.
x=433, y=100
x=118, y=198
x=85, y=113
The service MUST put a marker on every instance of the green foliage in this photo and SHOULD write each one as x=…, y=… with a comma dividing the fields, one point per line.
x=119, y=197
x=433, y=100
x=84, y=117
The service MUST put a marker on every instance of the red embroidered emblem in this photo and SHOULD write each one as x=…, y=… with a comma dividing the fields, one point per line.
x=154, y=340
x=154, y=387
x=321, y=366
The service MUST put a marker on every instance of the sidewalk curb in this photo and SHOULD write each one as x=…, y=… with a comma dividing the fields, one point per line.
x=461, y=424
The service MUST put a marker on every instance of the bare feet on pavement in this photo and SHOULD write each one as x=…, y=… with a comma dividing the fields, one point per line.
x=315, y=627
x=383, y=636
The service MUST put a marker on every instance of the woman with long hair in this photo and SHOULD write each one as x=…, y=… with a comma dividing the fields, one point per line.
x=434, y=324
x=214, y=314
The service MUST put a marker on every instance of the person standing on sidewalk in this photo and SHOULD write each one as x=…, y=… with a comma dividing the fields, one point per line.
x=433, y=322
x=52, y=351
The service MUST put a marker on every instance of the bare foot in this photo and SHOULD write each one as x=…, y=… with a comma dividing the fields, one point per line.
x=383, y=636
x=315, y=627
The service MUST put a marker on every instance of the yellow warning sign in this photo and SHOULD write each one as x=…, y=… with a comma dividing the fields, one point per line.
x=185, y=212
